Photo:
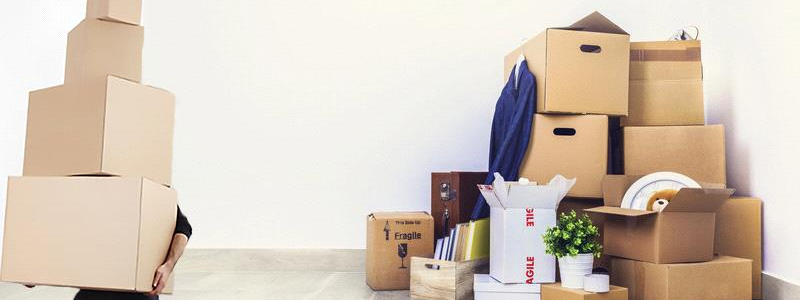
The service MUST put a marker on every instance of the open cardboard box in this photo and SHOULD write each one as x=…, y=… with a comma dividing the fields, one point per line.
x=520, y=215
x=683, y=232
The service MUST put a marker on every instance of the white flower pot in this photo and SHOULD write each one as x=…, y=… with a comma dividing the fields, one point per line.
x=574, y=268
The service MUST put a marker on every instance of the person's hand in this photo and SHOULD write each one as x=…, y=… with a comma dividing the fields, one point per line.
x=160, y=281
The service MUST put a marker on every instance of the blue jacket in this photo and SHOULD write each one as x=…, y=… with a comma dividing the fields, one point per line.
x=511, y=131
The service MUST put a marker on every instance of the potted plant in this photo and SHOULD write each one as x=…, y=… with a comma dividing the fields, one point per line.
x=573, y=242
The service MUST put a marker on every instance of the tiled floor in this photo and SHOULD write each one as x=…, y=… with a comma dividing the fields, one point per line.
x=252, y=274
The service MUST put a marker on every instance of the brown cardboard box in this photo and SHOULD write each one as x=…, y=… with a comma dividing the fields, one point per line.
x=96, y=49
x=108, y=233
x=392, y=239
x=124, y=11
x=581, y=69
x=682, y=232
x=666, y=84
x=123, y=129
x=738, y=234
x=694, y=151
x=570, y=145
x=555, y=291
x=724, y=278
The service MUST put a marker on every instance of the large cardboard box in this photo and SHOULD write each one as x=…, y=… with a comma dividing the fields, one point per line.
x=124, y=11
x=107, y=233
x=695, y=151
x=392, y=239
x=666, y=84
x=97, y=48
x=682, y=232
x=582, y=68
x=573, y=146
x=519, y=216
x=123, y=128
x=738, y=234
x=557, y=292
x=723, y=278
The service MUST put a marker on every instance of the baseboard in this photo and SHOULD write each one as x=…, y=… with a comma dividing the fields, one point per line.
x=774, y=288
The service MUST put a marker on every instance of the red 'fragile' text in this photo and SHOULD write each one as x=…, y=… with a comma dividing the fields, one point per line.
x=529, y=217
x=529, y=269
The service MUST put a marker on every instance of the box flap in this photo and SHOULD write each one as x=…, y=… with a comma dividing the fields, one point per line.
x=614, y=188
x=698, y=200
x=400, y=215
x=596, y=22
x=488, y=193
x=618, y=211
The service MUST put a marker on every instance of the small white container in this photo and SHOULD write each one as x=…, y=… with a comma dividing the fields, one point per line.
x=596, y=283
x=574, y=268
x=487, y=288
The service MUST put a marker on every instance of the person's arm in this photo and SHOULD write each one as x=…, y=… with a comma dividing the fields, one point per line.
x=183, y=230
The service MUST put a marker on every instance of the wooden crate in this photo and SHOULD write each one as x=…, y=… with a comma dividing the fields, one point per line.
x=433, y=279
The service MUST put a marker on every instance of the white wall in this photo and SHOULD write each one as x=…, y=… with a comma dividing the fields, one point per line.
x=297, y=118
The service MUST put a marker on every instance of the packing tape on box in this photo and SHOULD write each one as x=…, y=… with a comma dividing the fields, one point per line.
x=689, y=54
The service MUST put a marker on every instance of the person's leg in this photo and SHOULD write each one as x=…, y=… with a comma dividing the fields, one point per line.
x=102, y=295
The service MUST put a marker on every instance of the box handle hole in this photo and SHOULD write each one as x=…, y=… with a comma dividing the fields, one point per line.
x=564, y=131
x=432, y=266
x=591, y=49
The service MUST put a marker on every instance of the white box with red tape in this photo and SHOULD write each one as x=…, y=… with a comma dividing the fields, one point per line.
x=520, y=214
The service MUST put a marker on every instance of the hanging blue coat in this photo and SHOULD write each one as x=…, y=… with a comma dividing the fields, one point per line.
x=511, y=131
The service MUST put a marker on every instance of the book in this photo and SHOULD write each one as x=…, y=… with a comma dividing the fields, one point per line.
x=478, y=244
x=437, y=252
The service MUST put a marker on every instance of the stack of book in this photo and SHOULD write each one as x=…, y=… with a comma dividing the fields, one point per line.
x=465, y=241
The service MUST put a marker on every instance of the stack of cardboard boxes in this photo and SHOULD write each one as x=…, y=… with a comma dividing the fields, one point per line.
x=94, y=208
x=608, y=106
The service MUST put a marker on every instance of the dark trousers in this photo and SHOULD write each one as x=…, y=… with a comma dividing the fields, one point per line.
x=100, y=295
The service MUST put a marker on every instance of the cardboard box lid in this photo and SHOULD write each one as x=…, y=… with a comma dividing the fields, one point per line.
x=400, y=215
x=691, y=200
x=595, y=22
x=486, y=283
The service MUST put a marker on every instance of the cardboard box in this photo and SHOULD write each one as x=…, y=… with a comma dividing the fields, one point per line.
x=122, y=129
x=573, y=146
x=96, y=49
x=694, y=151
x=392, y=240
x=724, y=278
x=107, y=233
x=682, y=232
x=738, y=234
x=445, y=280
x=123, y=11
x=557, y=292
x=519, y=216
x=581, y=69
x=488, y=288
x=666, y=84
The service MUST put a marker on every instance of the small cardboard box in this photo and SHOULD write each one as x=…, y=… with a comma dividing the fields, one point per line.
x=106, y=233
x=573, y=146
x=97, y=48
x=123, y=11
x=445, y=280
x=723, y=278
x=519, y=216
x=580, y=69
x=393, y=238
x=682, y=232
x=488, y=288
x=124, y=128
x=694, y=151
x=666, y=84
x=738, y=234
x=557, y=292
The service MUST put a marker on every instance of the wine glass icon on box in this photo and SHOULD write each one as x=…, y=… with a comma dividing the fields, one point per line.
x=402, y=251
